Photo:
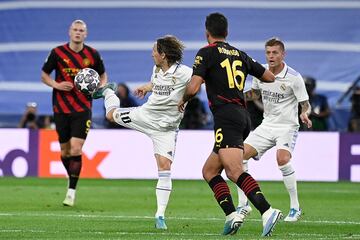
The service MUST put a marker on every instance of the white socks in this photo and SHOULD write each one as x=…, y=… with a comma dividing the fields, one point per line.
x=163, y=190
x=111, y=101
x=290, y=184
x=289, y=181
x=243, y=201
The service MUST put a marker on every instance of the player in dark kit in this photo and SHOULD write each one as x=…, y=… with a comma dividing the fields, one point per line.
x=72, y=108
x=223, y=69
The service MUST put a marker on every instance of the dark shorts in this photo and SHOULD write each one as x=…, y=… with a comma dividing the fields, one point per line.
x=70, y=125
x=231, y=125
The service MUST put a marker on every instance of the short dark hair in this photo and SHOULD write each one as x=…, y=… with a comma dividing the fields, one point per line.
x=172, y=47
x=217, y=25
x=275, y=41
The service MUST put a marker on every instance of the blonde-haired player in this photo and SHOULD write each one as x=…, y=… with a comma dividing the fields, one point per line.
x=280, y=124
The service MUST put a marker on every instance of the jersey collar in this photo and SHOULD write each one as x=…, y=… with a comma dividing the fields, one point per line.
x=172, y=69
x=283, y=72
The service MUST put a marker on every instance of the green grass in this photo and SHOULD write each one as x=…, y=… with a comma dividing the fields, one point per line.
x=31, y=208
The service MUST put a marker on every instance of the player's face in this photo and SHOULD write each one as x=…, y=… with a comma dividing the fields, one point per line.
x=274, y=56
x=77, y=33
x=158, y=58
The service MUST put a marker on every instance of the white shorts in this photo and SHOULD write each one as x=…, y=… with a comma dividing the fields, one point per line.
x=164, y=142
x=263, y=138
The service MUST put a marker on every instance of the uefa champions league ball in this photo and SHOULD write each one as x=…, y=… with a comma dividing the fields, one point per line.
x=87, y=80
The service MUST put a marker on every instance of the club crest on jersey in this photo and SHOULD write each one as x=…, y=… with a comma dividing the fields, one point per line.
x=67, y=61
x=283, y=87
x=198, y=60
x=86, y=62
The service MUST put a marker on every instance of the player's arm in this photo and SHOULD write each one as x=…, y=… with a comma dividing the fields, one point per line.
x=305, y=112
x=191, y=90
x=141, y=91
x=267, y=76
x=62, y=86
x=253, y=94
x=103, y=79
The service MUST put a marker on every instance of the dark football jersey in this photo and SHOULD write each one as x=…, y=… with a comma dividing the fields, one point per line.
x=67, y=64
x=224, y=69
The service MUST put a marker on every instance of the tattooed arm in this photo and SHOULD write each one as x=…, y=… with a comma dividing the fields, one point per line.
x=305, y=112
x=253, y=94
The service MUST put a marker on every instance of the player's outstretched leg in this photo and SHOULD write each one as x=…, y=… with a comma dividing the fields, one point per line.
x=270, y=218
x=99, y=93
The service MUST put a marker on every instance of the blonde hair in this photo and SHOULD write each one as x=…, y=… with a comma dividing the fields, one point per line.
x=78, y=21
x=275, y=41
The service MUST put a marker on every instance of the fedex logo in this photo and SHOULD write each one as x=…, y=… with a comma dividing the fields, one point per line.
x=349, y=157
x=18, y=152
x=50, y=162
x=26, y=152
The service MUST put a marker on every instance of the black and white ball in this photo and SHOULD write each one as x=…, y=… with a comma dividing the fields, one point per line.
x=87, y=80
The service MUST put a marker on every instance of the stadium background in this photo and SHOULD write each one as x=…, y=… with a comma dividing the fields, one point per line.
x=322, y=40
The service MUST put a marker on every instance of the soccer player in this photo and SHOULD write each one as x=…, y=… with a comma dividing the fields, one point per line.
x=280, y=125
x=72, y=108
x=223, y=68
x=158, y=117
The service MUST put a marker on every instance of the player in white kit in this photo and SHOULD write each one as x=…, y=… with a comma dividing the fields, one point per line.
x=159, y=117
x=280, y=124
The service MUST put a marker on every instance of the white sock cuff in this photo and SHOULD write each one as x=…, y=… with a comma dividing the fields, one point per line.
x=164, y=181
x=111, y=101
x=287, y=169
x=165, y=173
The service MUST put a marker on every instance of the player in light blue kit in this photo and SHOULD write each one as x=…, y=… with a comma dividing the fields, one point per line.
x=159, y=117
x=280, y=124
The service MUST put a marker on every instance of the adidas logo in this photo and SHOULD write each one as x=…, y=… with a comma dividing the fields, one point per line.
x=170, y=153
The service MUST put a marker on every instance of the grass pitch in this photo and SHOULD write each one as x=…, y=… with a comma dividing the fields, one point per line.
x=31, y=208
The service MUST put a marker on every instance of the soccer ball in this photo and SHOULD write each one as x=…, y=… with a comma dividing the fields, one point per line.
x=87, y=80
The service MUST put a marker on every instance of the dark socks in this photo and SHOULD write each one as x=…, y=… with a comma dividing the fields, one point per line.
x=222, y=194
x=66, y=163
x=74, y=170
x=253, y=192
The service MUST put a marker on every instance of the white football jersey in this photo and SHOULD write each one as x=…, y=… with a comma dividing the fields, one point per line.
x=281, y=98
x=168, y=89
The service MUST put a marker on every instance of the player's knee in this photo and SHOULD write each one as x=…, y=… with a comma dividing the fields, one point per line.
x=283, y=160
x=249, y=152
x=208, y=174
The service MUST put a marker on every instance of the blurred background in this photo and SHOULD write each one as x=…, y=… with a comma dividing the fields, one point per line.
x=322, y=39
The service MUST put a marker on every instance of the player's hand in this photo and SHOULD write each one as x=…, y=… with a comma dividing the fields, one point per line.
x=181, y=106
x=64, y=86
x=140, y=92
x=305, y=120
